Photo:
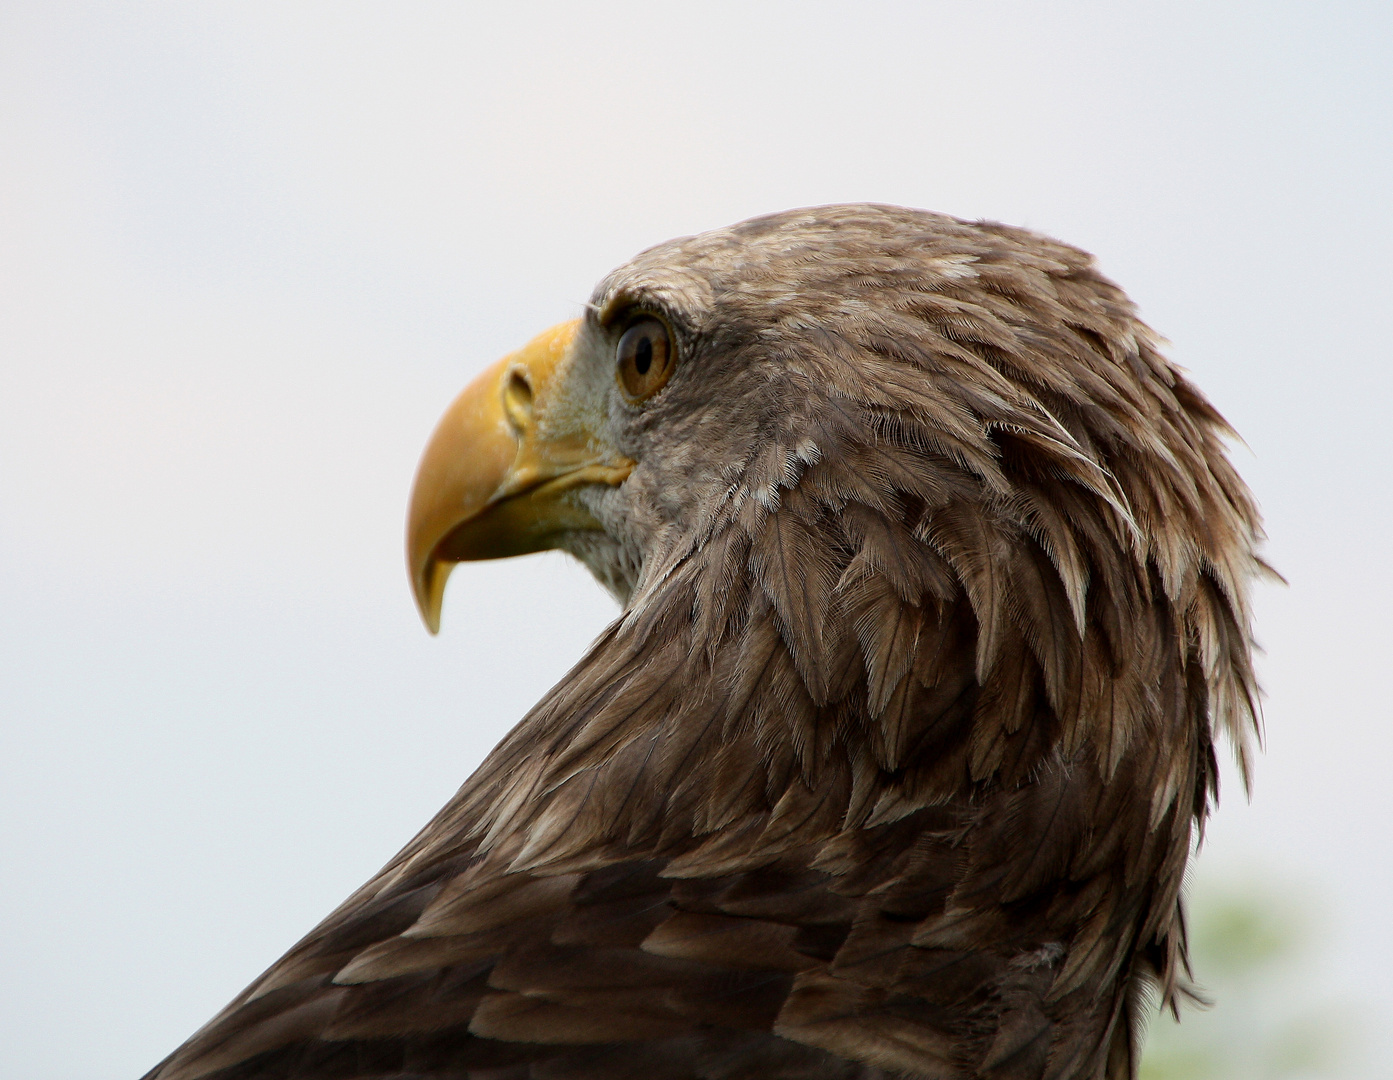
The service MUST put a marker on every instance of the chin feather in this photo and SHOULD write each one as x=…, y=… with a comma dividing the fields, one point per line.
x=612, y=563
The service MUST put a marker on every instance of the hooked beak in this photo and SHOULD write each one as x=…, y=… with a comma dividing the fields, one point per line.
x=497, y=478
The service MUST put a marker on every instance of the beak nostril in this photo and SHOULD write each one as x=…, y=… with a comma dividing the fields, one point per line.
x=517, y=400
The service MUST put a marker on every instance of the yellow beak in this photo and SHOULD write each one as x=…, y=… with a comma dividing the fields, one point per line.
x=497, y=478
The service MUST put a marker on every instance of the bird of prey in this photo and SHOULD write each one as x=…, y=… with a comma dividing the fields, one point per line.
x=934, y=576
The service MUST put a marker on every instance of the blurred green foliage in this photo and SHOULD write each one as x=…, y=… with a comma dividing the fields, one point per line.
x=1252, y=950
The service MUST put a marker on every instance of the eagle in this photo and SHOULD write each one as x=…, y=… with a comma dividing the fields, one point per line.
x=933, y=574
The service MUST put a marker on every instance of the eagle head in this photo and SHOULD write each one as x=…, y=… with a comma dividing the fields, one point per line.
x=934, y=577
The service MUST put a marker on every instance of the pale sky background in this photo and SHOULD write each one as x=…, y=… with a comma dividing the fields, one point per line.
x=249, y=251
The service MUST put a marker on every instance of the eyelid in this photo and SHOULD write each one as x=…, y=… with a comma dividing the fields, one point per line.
x=625, y=307
x=630, y=316
x=617, y=310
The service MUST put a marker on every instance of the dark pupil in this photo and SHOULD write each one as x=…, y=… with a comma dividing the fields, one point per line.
x=643, y=356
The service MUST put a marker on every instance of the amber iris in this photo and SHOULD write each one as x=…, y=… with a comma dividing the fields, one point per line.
x=645, y=358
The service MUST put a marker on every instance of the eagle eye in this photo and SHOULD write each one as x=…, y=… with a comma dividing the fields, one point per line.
x=645, y=358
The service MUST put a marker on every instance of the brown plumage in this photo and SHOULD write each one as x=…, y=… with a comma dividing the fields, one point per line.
x=934, y=575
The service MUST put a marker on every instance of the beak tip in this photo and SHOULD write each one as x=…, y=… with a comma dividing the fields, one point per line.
x=430, y=592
